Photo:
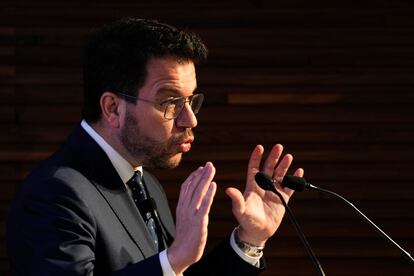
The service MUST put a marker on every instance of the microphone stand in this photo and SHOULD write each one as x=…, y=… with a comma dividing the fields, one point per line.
x=302, y=237
x=265, y=183
x=366, y=219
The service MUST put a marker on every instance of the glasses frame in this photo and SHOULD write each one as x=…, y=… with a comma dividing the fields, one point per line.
x=167, y=102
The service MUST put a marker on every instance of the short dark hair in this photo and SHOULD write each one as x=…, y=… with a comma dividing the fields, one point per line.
x=116, y=57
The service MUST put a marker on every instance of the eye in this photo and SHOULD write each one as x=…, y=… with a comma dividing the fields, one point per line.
x=173, y=101
x=167, y=101
x=177, y=101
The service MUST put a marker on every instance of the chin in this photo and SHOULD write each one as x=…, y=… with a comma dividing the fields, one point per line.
x=175, y=160
x=169, y=163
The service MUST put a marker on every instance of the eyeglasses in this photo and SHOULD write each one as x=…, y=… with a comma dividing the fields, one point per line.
x=173, y=107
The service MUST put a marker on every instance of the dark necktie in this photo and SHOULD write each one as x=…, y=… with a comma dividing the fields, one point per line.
x=147, y=210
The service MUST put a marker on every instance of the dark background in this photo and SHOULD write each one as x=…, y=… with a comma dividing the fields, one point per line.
x=330, y=80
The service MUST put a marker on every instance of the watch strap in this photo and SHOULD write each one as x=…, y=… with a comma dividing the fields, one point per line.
x=247, y=248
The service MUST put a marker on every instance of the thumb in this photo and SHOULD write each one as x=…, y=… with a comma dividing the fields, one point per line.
x=237, y=200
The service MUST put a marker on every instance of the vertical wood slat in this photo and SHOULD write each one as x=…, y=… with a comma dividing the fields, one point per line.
x=332, y=80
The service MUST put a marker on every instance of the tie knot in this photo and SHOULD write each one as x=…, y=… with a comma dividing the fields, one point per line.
x=136, y=177
x=137, y=187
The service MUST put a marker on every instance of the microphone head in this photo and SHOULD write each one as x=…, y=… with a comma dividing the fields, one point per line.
x=264, y=181
x=295, y=183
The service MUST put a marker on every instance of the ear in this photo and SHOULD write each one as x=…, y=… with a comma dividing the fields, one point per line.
x=111, y=109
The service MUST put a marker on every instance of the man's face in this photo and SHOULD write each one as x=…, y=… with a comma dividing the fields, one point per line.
x=149, y=138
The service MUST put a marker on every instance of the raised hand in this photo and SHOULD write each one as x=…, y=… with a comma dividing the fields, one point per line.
x=196, y=196
x=260, y=212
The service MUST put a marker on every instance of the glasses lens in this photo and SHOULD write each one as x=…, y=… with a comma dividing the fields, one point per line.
x=196, y=102
x=169, y=111
x=174, y=107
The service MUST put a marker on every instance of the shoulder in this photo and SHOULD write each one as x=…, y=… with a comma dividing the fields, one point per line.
x=56, y=178
x=54, y=187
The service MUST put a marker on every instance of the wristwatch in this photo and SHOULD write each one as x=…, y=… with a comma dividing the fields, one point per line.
x=247, y=248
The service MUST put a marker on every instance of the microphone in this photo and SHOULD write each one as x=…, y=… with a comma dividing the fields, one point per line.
x=296, y=183
x=300, y=184
x=148, y=206
x=266, y=183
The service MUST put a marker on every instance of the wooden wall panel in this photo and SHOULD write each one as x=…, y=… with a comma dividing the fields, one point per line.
x=331, y=80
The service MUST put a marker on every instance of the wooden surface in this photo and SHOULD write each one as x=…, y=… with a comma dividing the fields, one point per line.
x=331, y=80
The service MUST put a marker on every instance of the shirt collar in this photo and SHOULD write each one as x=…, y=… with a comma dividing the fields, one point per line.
x=122, y=166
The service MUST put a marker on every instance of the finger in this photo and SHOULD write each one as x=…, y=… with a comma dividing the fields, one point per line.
x=185, y=196
x=299, y=172
x=237, y=199
x=254, y=166
x=271, y=161
x=188, y=181
x=208, y=199
x=282, y=168
x=202, y=185
x=195, y=184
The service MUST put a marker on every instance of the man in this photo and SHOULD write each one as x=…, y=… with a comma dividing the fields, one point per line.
x=81, y=213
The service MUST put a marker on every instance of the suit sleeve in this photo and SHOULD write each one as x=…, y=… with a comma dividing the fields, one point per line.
x=57, y=234
x=223, y=260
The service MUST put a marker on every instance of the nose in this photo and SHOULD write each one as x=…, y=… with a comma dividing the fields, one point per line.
x=186, y=118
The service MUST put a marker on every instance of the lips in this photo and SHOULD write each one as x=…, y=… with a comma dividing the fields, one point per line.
x=185, y=145
x=189, y=139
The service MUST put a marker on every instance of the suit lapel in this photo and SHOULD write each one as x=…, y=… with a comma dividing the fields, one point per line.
x=127, y=213
x=95, y=165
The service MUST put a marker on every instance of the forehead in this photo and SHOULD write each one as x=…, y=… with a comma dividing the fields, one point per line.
x=168, y=76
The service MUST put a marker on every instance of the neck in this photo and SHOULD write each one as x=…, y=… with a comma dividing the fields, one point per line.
x=114, y=141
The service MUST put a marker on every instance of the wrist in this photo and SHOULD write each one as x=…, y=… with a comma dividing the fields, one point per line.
x=177, y=263
x=251, y=250
x=247, y=237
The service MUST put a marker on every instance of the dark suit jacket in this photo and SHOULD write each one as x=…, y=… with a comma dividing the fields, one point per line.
x=73, y=216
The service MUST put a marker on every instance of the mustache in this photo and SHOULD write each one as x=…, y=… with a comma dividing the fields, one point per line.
x=183, y=136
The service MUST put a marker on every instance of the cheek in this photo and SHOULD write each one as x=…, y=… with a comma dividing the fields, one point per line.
x=156, y=127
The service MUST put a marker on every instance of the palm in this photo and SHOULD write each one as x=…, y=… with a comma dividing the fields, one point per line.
x=260, y=212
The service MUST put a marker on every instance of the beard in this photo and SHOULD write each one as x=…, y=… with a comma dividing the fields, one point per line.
x=151, y=153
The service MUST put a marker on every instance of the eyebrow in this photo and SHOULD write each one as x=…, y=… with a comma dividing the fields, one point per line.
x=170, y=91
